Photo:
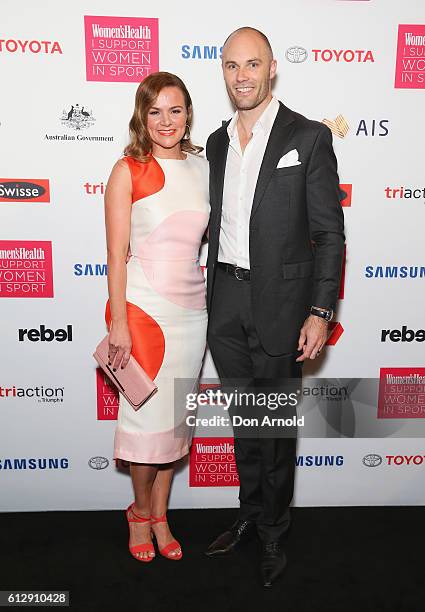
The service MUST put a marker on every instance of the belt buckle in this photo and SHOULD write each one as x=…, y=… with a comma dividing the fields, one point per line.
x=237, y=269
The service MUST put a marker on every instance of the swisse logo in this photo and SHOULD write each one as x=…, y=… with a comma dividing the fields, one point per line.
x=201, y=52
x=404, y=193
x=405, y=459
x=319, y=461
x=403, y=335
x=90, y=269
x=94, y=188
x=98, y=463
x=24, y=190
x=394, y=271
x=30, y=46
x=343, y=55
x=44, y=334
x=296, y=55
x=372, y=460
x=34, y=463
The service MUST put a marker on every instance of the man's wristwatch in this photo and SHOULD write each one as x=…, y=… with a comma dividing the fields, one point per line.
x=323, y=313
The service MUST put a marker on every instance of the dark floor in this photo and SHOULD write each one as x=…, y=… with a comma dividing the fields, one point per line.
x=339, y=559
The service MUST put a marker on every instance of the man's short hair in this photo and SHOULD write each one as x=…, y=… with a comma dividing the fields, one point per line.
x=248, y=28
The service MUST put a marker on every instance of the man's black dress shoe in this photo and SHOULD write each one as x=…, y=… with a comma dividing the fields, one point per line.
x=239, y=532
x=273, y=563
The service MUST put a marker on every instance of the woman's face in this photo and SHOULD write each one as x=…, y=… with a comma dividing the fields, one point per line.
x=166, y=122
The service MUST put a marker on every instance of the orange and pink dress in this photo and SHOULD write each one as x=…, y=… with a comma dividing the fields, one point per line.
x=166, y=307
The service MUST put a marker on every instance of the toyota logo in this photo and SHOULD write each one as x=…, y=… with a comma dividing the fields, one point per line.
x=372, y=460
x=98, y=463
x=296, y=55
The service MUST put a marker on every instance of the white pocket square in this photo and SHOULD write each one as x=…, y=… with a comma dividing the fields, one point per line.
x=289, y=159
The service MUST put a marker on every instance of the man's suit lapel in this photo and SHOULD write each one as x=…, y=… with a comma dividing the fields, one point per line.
x=277, y=140
x=220, y=169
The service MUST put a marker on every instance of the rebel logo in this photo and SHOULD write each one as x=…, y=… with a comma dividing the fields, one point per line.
x=26, y=268
x=24, y=190
x=359, y=56
x=410, y=60
x=401, y=393
x=402, y=335
x=121, y=49
x=44, y=334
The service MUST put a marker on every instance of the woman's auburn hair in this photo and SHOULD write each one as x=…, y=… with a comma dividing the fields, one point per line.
x=140, y=146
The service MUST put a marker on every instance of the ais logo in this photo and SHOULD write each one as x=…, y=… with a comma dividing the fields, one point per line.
x=24, y=190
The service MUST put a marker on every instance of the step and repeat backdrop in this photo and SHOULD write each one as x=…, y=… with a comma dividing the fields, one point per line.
x=68, y=77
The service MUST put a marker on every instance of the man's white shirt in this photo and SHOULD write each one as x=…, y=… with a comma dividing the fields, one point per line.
x=240, y=180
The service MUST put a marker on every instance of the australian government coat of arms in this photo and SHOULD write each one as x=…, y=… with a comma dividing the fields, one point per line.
x=77, y=118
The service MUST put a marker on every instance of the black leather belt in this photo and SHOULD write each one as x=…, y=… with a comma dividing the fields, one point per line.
x=241, y=274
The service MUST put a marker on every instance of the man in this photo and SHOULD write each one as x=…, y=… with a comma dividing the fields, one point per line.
x=275, y=253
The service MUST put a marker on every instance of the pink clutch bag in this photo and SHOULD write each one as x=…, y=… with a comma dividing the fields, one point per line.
x=132, y=381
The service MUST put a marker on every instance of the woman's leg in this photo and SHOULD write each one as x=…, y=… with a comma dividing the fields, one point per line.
x=159, y=504
x=143, y=477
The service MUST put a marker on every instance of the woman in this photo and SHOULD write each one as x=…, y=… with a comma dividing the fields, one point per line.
x=156, y=209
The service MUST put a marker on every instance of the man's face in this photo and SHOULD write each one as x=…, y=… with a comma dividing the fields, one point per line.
x=248, y=70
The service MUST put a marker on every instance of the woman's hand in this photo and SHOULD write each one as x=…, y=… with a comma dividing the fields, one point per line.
x=119, y=345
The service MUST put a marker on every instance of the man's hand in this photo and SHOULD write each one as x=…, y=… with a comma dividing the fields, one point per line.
x=313, y=336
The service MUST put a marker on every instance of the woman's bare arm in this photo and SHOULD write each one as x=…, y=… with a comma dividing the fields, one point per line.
x=117, y=222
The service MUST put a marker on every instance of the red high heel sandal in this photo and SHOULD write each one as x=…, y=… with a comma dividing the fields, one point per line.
x=147, y=546
x=165, y=552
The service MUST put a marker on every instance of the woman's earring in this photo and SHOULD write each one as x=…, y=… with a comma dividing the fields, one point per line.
x=187, y=132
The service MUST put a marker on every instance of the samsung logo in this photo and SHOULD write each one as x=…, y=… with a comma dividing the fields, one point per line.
x=395, y=272
x=319, y=460
x=201, y=52
x=52, y=463
x=88, y=269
